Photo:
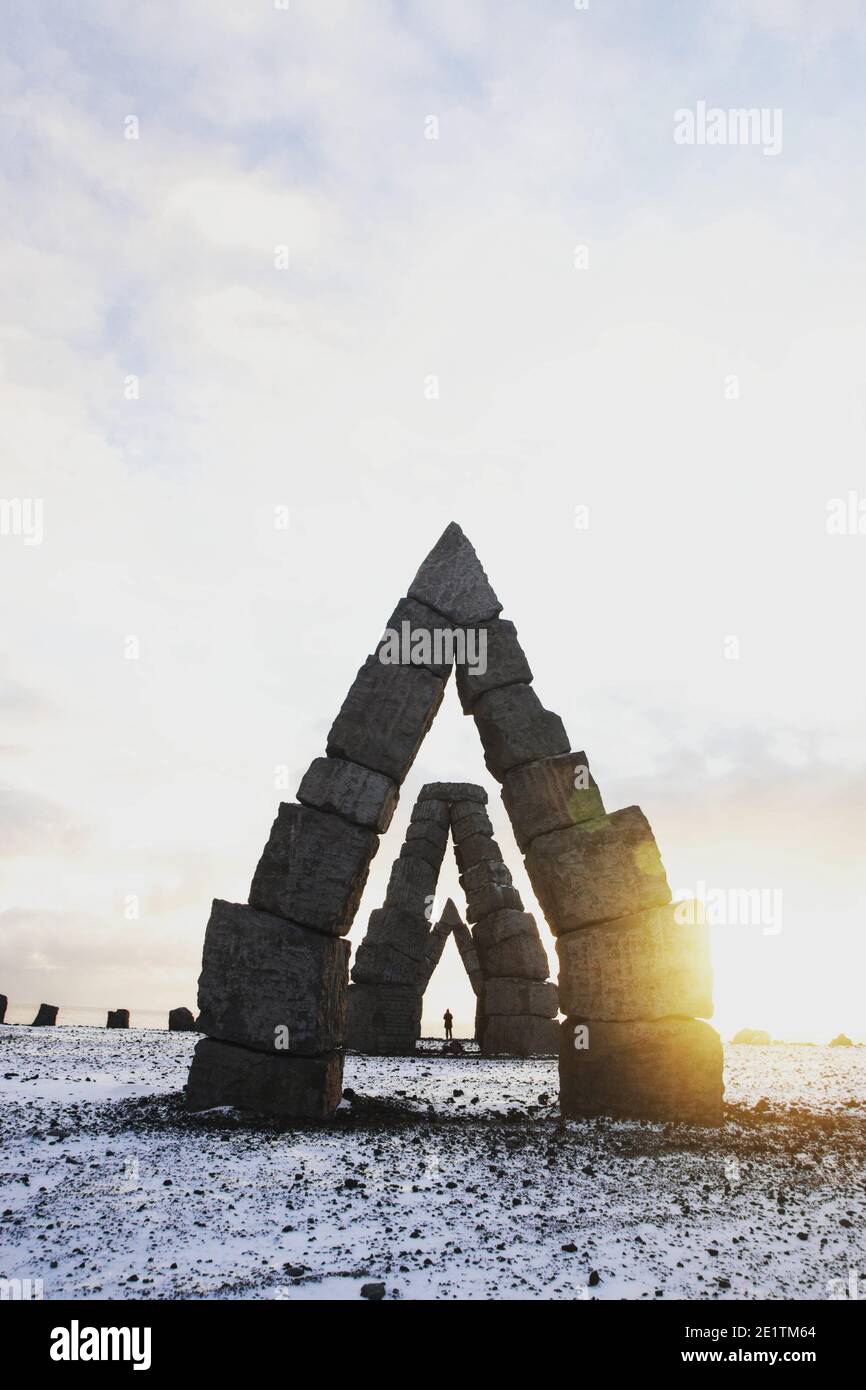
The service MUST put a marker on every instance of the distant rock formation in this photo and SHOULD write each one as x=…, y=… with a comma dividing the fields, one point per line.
x=46, y=1017
x=4, y=1002
x=842, y=1041
x=117, y=1018
x=754, y=1037
x=181, y=1021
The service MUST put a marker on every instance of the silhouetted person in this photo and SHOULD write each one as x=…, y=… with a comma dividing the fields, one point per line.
x=449, y=1023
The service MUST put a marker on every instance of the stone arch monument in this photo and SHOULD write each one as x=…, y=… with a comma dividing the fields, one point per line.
x=634, y=970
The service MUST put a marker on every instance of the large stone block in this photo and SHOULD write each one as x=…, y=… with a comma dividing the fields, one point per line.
x=308, y=1088
x=422, y=635
x=397, y=926
x=313, y=869
x=453, y=792
x=432, y=954
x=412, y=884
x=670, y=1069
x=262, y=975
x=425, y=841
x=597, y=871
x=117, y=1018
x=433, y=811
x=476, y=823
x=645, y=966
x=519, y=1035
x=515, y=728
x=385, y=716
x=182, y=1021
x=550, y=795
x=505, y=664
x=474, y=850
x=46, y=1016
x=452, y=581
x=485, y=872
x=349, y=790
x=384, y=1020
x=385, y=964
x=469, y=956
x=508, y=945
x=537, y=997
x=492, y=897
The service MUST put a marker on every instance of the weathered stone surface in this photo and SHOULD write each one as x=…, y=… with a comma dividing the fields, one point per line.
x=519, y=1035
x=412, y=884
x=506, y=664
x=432, y=954
x=474, y=849
x=269, y=1084
x=542, y=796
x=515, y=728
x=452, y=581
x=485, y=872
x=424, y=638
x=432, y=810
x=313, y=869
x=383, y=963
x=453, y=792
x=536, y=997
x=469, y=956
x=398, y=926
x=117, y=1018
x=670, y=1069
x=270, y=985
x=492, y=897
x=597, y=871
x=384, y=1020
x=478, y=823
x=46, y=1016
x=385, y=716
x=479, y=1018
x=182, y=1021
x=425, y=841
x=350, y=790
x=508, y=945
x=645, y=966
x=4, y=1004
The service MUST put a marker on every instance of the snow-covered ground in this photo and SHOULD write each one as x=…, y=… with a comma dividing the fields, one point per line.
x=443, y=1178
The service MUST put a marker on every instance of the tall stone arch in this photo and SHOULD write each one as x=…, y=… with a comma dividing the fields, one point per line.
x=273, y=988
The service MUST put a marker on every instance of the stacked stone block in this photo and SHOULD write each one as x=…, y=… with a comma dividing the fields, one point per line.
x=516, y=1004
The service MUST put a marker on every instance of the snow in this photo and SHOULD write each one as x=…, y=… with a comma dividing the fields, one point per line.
x=442, y=1177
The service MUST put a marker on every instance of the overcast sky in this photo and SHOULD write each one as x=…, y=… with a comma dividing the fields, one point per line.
x=694, y=377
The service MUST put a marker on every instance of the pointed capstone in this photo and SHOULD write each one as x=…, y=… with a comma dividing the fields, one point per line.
x=452, y=581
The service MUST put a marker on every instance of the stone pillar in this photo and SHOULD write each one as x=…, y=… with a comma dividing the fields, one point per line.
x=4, y=1004
x=517, y=1005
x=117, y=1018
x=46, y=1017
x=181, y=1021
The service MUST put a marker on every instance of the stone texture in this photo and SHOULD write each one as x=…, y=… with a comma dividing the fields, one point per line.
x=384, y=1020
x=313, y=869
x=412, y=884
x=515, y=728
x=433, y=811
x=469, y=956
x=541, y=796
x=485, y=872
x=421, y=619
x=452, y=581
x=665, y=1070
x=432, y=954
x=506, y=665
x=597, y=871
x=4, y=1004
x=477, y=823
x=646, y=966
x=46, y=1016
x=519, y=1035
x=269, y=1084
x=117, y=1018
x=385, y=964
x=182, y=1021
x=537, y=997
x=493, y=897
x=508, y=945
x=349, y=790
x=453, y=792
x=385, y=716
x=474, y=850
x=261, y=974
x=429, y=847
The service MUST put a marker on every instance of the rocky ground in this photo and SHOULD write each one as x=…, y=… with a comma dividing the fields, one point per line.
x=442, y=1178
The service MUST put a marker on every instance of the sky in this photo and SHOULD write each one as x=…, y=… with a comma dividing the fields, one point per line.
x=287, y=289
